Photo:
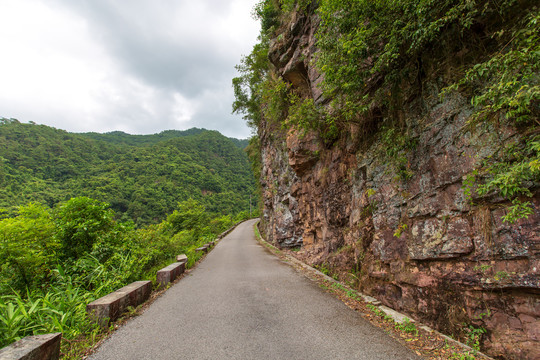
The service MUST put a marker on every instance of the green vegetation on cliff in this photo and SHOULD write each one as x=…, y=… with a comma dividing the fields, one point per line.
x=375, y=56
x=143, y=177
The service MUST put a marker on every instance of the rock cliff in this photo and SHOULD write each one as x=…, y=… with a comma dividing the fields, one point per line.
x=390, y=213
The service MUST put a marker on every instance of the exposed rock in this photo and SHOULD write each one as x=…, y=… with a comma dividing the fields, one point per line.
x=416, y=244
x=303, y=153
x=436, y=239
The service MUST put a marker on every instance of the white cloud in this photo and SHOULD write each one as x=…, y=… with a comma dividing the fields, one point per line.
x=139, y=66
x=43, y=62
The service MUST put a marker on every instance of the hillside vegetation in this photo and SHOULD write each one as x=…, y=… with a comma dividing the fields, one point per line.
x=142, y=177
x=85, y=214
x=56, y=261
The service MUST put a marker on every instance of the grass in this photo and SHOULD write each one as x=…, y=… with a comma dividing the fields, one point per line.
x=257, y=233
x=58, y=310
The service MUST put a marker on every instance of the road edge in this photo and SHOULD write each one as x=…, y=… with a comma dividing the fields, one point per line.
x=396, y=316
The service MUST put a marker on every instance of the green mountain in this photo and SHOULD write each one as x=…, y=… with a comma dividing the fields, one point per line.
x=119, y=137
x=143, y=177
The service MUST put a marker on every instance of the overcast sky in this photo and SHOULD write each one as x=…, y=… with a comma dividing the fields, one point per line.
x=139, y=66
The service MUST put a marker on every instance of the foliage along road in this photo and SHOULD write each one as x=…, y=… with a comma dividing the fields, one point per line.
x=243, y=303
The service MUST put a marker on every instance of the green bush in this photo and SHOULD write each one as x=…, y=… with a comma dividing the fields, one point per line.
x=27, y=248
x=80, y=222
x=61, y=309
x=189, y=215
x=267, y=11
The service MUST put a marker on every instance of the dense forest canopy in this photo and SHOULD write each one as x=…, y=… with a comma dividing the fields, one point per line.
x=142, y=177
x=120, y=137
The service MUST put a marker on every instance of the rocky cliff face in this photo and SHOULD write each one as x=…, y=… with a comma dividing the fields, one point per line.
x=398, y=224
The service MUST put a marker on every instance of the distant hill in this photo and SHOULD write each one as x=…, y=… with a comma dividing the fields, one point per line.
x=119, y=137
x=141, y=176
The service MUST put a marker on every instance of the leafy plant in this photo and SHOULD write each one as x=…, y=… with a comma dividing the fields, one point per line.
x=303, y=114
x=375, y=310
x=396, y=144
x=407, y=326
x=189, y=215
x=80, y=222
x=353, y=295
x=370, y=192
x=468, y=183
x=400, y=229
x=323, y=268
x=275, y=99
x=248, y=87
x=267, y=11
x=370, y=48
x=27, y=247
x=289, y=5
x=462, y=356
x=507, y=87
x=474, y=336
x=62, y=309
x=501, y=275
x=482, y=268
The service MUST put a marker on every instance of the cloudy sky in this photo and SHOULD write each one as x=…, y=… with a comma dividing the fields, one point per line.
x=139, y=66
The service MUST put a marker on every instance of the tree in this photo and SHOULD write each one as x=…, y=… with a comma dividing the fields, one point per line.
x=27, y=247
x=190, y=215
x=80, y=222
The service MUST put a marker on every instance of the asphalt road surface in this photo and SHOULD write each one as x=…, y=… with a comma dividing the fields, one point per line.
x=242, y=302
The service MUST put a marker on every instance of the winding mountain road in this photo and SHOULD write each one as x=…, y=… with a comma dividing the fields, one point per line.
x=241, y=302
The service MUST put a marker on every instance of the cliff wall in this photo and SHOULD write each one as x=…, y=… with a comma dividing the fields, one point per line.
x=389, y=212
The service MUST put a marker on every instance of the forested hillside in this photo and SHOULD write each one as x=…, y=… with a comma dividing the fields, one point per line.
x=143, y=177
x=82, y=215
x=119, y=137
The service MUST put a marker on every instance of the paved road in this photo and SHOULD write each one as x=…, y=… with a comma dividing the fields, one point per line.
x=243, y=303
